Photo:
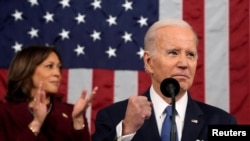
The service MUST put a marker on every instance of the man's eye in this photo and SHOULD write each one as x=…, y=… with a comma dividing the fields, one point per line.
x=173, y=53
x=191, y=54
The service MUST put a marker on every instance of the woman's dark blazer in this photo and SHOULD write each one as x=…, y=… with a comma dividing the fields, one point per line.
x=58, y=125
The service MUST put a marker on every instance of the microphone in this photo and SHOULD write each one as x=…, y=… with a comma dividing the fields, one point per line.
x=170, y=87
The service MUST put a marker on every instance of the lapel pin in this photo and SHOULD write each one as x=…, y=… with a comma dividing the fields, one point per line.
x=64, y=115
x=194, y=120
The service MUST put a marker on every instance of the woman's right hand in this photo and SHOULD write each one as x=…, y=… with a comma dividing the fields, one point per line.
x=38, y=108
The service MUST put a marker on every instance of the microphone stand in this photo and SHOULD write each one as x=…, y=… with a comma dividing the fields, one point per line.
x=173, y=127
x=170, y=88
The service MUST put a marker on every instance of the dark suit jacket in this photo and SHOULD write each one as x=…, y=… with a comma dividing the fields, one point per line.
x=108, y=118
x=58, y=125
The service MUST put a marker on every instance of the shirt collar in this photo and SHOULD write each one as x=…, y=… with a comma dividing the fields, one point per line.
x=159, y=104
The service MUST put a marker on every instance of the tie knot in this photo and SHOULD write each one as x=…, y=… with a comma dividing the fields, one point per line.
x=169, y=111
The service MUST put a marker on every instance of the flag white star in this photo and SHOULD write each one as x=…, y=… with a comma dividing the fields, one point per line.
x=48, y=45
x=142, y=21
x=96, y=4
x=48, y=17
x=17, y=15
x=96, y=35
x=33, y=2
x=127, y=5
x=111, y=20
x=33, y=33
x=141, y=52
x=64, y=34
x=64, y=3
x=111, y=52
x=79, y=50
x=80, y=18
x=17, y=47
x=127, y=36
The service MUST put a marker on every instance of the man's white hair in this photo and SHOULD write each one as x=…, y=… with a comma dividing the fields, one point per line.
x=151, y=33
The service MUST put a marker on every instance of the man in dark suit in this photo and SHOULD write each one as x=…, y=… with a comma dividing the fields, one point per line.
x=170, y=52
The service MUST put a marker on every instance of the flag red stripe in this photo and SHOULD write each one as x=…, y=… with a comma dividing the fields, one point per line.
x=193, y=12
x=3, y=85
x=104, y=79
x=144, y=81
x=239, y=60
x=64, y=85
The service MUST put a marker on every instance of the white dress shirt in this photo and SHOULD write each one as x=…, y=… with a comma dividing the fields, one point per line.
x=159, y=105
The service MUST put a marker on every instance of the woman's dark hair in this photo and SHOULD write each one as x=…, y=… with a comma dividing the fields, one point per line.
x=21, y=70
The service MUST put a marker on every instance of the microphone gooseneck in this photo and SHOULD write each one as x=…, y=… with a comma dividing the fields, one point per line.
x=170, y=87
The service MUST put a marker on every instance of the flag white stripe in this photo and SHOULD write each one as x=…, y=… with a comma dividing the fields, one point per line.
x=170, y=9
x=126, y=84
x=78, y=80
x=216, y=53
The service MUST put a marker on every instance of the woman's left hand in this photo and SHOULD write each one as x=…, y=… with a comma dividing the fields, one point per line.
x=80, y=108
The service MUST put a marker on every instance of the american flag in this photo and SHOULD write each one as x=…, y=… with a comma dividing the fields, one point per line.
x=101, y=43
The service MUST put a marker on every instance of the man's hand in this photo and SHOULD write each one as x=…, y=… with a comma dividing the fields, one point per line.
x=138, y=110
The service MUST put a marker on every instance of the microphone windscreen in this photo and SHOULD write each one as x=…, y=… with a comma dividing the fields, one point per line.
x=169, y=87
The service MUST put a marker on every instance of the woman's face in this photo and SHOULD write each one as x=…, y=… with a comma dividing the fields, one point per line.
x=49, y=73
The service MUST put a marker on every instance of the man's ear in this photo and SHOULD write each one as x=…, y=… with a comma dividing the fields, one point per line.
x=147, y=62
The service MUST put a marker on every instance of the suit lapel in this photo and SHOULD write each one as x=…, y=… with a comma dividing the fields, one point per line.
x=194, y=121
x=149, y=130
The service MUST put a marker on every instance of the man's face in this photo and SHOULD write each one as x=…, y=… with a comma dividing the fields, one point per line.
x=175, y=55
